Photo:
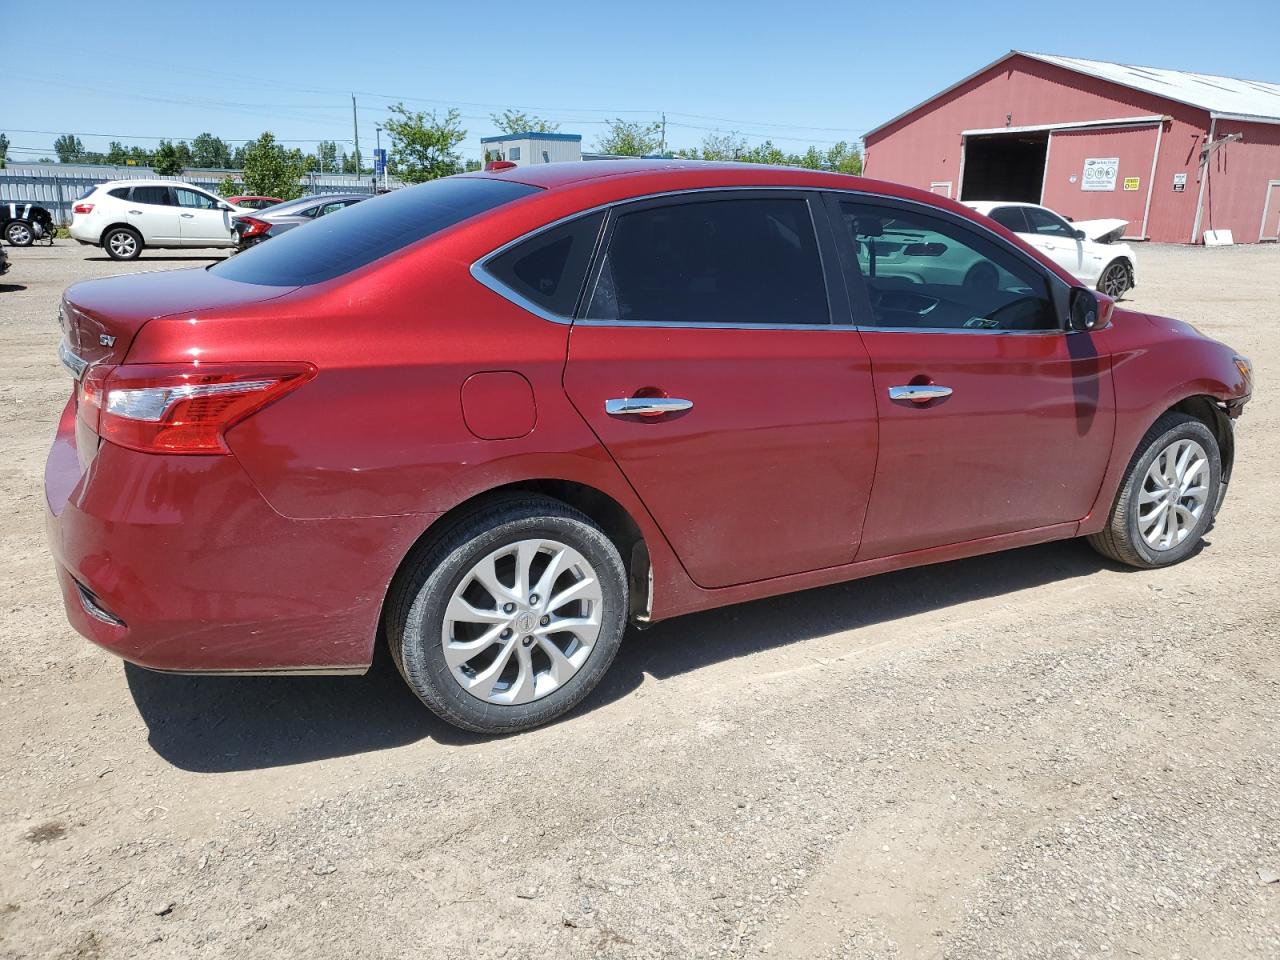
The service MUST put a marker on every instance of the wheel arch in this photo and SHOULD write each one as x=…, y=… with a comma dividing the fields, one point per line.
x=1209, y=412
x=605, y=511
x=102, y=237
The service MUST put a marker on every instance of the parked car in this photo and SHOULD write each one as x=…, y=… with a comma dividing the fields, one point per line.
x=126, y=216
x=253, y=202
x=502, y=415
x=253, y=229
x=23, y=223
x=1088, y=250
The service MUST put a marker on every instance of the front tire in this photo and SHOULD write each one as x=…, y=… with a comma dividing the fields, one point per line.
x=122, y=243
x=510, y=617
x=20, y=233
x=1116, y=280
x=1167, y=498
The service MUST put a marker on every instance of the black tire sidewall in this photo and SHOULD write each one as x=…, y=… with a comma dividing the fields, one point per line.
x=106, y=243
x=1115, y=265
x=420, y=656
x=1191, y=430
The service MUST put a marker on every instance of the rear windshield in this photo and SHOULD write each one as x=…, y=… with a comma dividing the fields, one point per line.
x=337, y=244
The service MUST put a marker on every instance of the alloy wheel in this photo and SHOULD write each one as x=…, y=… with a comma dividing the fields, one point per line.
x=19, y=234
x=522, y=621
x=122, y=243
x=1174, y=494
x=1116, y=280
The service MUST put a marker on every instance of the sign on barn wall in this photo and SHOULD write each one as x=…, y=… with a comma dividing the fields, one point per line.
x=1100, y=173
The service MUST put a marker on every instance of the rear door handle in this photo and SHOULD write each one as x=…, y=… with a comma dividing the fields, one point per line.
x=136, y=213
x=646, y=406
x=919, y=393
x=188, y=216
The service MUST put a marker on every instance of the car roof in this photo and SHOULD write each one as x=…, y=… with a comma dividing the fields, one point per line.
x=572, y=173
x=985, y=206
x=141, y=182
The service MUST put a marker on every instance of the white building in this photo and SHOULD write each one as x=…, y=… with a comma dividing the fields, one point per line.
x=526, y=148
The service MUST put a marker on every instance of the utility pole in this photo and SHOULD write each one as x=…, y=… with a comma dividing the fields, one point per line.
x=663, y=148
x=355, y=128
x=378, y=134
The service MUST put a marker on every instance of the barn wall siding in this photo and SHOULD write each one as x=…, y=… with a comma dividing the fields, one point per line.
x=925, y=146
x=1238, y=174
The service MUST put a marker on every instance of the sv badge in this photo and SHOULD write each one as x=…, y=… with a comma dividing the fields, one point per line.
x=106, y=340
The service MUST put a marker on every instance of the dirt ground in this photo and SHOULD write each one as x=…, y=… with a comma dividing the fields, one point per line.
x=1034, y=754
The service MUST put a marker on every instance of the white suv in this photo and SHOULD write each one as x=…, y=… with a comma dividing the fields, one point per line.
x=123, y=216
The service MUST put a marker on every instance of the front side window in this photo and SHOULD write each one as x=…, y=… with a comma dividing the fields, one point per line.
x=370, y=230
x=549, y=268
x=194, y=199
x=1049, y=224
x=730, y=261
x=927, y=272
x=158, y=196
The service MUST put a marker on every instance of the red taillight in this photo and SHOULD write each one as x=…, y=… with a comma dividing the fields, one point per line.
x=162, y=408
x=82, y=208
x=500, y=165
x=252, y=226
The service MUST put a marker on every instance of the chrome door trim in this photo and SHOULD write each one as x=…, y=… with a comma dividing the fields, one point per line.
x=646, y=406
x=918, y=393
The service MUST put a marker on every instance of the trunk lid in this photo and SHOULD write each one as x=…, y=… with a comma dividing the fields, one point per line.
x=100, y=318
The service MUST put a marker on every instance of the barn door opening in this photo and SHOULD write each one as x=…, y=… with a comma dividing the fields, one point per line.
x=1005, y=166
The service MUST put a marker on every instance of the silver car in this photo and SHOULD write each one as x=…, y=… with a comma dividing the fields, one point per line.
x=253, y=228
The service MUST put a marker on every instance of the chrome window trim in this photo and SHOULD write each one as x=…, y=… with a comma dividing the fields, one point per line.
x=486, y=279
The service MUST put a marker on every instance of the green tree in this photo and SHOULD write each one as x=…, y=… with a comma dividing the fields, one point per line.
x=229, y=187
x=471, y=166
x=270, y=170
x=843, y=158
x=210, y=151
x=630, y=138
x=424, y=146
x=327, y=155
x=517, y=121
x=116, y=153
x=723, y=146
x=167, y=160
x=68, y=148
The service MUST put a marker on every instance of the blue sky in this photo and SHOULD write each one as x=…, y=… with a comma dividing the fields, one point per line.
x=797, y=72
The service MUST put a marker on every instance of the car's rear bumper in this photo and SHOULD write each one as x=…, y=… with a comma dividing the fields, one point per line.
x=178, y=563
x=84, y=231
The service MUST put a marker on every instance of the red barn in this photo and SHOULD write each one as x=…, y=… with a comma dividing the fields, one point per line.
x=1174, y=153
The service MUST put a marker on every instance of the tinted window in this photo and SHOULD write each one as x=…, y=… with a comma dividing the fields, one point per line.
x=120, y=193
x=155, y=195
x=333, y=246
x=713, y=261
x=1011, y=218
x=193, y=198
x=929, y=272
x=1049, y=224
x=549, y=269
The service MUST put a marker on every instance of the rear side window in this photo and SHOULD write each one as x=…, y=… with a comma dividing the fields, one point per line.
x=332, y=246
x=120, y=193
x=548, y=269
x=1011, y=218
x=731, y=261
x=158, y=196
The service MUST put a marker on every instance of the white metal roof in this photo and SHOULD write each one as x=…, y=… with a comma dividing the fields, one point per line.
x=1222, y=96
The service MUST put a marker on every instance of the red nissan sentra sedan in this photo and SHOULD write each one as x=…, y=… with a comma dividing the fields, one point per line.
x=503, y=415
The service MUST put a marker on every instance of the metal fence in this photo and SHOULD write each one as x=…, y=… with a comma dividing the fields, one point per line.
x=56, y=187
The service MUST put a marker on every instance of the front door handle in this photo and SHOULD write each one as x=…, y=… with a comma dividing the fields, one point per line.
x=919, y=393
x=646, y=406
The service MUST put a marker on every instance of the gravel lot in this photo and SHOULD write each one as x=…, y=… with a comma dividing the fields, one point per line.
x=1035, y=754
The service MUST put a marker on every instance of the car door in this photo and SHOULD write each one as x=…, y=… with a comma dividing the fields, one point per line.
x=150, y=210
x=705, y=360
x=993, y=419
x=1057, y=238
x=202, y=219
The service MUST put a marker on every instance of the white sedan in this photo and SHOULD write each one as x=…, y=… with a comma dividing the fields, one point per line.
x=123, y=216
x=1085, y=249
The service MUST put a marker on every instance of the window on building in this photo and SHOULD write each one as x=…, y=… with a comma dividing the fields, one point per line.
x=514, y=153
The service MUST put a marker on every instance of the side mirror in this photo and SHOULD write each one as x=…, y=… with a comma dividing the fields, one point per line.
x=223, y=205
x=1081, y=235
x=1084, y=310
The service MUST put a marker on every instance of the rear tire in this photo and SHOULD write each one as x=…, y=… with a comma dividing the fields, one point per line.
x=476, y=640
x=122, y=243
x=20, y=233
x=1163, y=509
